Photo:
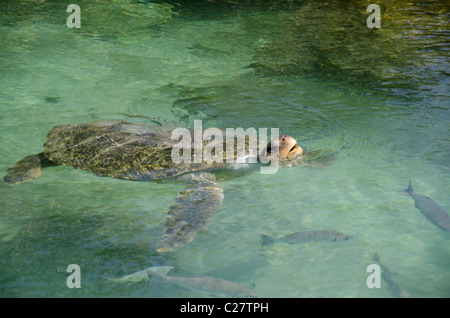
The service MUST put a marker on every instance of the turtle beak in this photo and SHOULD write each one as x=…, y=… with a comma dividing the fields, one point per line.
x=295, y=151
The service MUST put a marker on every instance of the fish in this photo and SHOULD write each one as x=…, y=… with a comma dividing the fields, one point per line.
x=139, y=276
x=389, y=278
x=430, y=209
x=307, y=236
x=205, y=283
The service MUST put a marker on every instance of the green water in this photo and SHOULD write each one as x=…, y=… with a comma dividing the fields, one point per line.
x=378, y=97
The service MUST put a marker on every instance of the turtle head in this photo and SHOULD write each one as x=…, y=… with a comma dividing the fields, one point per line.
x=288, y=148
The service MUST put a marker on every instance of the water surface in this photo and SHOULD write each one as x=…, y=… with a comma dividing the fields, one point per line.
x=310, y=68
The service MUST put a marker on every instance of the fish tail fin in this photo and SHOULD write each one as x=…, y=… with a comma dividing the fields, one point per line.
x=131, y=278
x=112, y=279
x=410, y=188
x=408, y=191
x=376, y=258
x=158, y=270
x=266, y=240
x=158, y=274
x=143, y=275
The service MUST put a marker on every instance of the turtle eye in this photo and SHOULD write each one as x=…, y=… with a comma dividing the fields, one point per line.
x=269, y=148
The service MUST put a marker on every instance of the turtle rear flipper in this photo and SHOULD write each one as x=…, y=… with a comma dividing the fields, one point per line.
x=28, y=168
x=192, y=211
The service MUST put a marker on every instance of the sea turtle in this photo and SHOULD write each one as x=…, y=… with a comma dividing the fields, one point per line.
x=142, y=152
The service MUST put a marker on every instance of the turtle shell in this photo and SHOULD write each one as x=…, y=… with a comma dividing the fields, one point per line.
x=117, y=149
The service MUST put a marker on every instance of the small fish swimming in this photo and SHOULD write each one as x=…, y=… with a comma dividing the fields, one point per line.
x=307, y=236
x=390, y=279
x=432, y=211
x=138, y=276
x=205, y=283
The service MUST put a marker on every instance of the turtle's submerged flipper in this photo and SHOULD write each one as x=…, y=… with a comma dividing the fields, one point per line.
x=192, y=210
x=28, y=168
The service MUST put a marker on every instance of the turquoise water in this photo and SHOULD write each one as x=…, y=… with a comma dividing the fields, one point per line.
x=295, y=66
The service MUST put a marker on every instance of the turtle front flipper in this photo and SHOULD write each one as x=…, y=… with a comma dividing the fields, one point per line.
x=192, y=211
x=28, y=168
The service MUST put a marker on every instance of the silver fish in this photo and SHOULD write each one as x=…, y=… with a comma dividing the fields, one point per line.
x=205, y=283
x=307, y=236
x=389, y=278
x=432, y=211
